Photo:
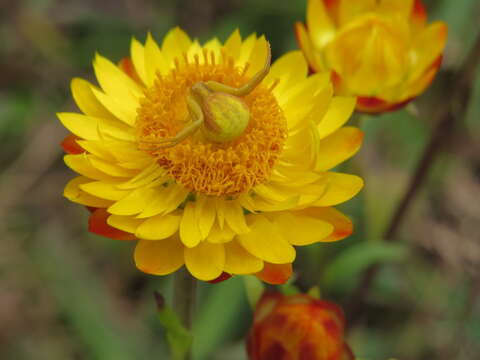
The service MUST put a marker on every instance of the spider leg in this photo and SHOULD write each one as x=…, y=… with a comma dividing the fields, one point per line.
x=196, y=114
x=249, y=86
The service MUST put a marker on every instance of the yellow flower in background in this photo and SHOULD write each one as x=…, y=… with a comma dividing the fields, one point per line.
x=211, y=158
x=379, y=50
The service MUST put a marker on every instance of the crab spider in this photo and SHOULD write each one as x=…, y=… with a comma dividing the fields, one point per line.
x=217, y=109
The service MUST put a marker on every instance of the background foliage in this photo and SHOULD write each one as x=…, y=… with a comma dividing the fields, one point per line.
x=67, y=294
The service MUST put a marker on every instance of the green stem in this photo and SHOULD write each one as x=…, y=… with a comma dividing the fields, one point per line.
x=184, y=289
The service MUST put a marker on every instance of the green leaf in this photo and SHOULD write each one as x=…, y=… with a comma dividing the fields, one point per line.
x=254, y=289
x=351, y=262
x=289, y=289
x=315, y=292
x=179, y=338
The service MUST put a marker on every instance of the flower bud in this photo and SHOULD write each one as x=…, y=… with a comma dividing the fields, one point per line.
x=297, y=327
x=381, y=51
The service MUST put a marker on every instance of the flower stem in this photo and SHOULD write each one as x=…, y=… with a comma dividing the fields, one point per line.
x=184, y=290
x=450, y=115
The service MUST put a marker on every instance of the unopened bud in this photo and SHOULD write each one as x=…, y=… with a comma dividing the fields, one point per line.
x=297, y=327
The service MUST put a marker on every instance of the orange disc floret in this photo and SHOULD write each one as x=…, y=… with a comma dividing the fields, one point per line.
x=228, y=168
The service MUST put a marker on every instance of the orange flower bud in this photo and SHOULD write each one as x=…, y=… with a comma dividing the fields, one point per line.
x=297, y=327
x=381, y=51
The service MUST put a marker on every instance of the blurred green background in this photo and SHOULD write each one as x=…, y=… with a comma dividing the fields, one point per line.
x=67, y=294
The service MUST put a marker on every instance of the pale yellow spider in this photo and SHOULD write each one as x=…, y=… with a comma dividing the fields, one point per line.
x=218, y=108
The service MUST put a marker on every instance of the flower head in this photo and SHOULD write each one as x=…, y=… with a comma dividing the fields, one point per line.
x=297, y=327
x=210, y=157
x=379, y=50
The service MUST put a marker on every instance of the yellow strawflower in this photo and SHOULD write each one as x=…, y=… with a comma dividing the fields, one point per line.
x=210, y=157
x=379, y=50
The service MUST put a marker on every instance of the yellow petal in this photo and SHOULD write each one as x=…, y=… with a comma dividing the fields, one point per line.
x=88, y=127
x=235, y=218
x=233, y=44
x=144, y=177
x=348, y=10
x=73, y=193
x=115, y=82
x=86, y=101
x=205, y=261
x=205, y=213
x=240, y=261
x=157, y=204
x=302, y=230
x=159, y=257
x=133, y=203
x=258, y=56
x=302, y=147
x=301, y=101
x=400, y=8
x=125, y=223
x=271, y=192
x=418, y=85
x=259, y=204
x=321, y=104
x=83, y=126
x=214, y=46
x=137, y=51
x=195, y=53
x=289, y=68
x=82, y=165
x=104, y=190
x=343, y=226
x=220, y=204
x=128, y=152
x=189, y=231
x=164, y=200
x=158, y=227
x=370, y=54
x=308, y=49
x=340, y=188
x=219, y=235
x=110, y=168
x=97, y=148
x=155, y=60
x=175, y=43
x=246, y=50
x=319, y=23
x=124, y=111
x=338, y=147
x=291, y=177
x=427, y=47
x=339, y=111
x=266, y=242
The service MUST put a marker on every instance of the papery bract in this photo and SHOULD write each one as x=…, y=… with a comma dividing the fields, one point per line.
x=297, y=327
x=221, y=209
x=381, y=51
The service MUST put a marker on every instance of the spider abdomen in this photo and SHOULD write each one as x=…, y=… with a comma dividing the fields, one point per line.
x=226, y=117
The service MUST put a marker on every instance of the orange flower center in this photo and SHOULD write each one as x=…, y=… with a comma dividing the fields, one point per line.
x=203, y=166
